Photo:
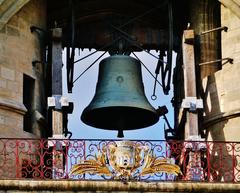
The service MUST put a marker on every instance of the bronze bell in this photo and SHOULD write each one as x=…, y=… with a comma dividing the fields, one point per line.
x=119, y=102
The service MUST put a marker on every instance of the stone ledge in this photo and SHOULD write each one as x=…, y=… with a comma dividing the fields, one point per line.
x=111, y=186
x=12, y=106
x=209, y=121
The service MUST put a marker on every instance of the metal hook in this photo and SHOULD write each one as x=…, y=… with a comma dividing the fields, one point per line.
x=153, y=97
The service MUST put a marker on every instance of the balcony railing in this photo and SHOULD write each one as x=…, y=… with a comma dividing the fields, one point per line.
x=147, y=160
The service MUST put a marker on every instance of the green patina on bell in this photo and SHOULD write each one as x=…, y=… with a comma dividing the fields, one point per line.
x=119, y=102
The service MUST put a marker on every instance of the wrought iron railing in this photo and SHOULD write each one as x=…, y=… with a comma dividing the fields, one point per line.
x=121, y=160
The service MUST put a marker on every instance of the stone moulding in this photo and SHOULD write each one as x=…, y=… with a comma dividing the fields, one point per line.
x=82, y=186
x=8, y=10
x=12, y=106
x=221, y=117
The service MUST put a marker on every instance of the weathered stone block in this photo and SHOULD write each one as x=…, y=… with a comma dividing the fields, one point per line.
x=13, y=21
x=7, y=73
x=3, y=83
x=12, y=31
x=14, y=86
x=2, y=119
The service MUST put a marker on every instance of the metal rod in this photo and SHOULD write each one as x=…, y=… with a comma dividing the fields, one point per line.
x=224, y=28
x=230, y=60
x=170, y=48
x=88, y=67
x=147, y=69
x=97, y=50
x=35, y=28
x=135, y=43
x=154, y=96
x=130, y=39
x=126, y=34
x=153, y=55
x=72, y=56
x=123, y=32
x=166, y=120
x=139, y=16
x=85, y=56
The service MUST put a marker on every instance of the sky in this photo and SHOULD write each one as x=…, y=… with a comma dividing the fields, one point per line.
x=84, y=90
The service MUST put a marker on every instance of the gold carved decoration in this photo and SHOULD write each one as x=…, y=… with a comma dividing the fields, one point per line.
x=123, y=160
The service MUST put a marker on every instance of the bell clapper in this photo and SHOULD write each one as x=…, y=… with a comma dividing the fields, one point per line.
x=120, y=133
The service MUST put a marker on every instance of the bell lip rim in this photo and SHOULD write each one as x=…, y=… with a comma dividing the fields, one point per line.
x=112, y=129
x=154, y=113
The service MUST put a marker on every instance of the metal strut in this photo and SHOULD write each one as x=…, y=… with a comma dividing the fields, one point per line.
x=230, y=60
x=223, y=28
x=168, y=72
x=165, y=67
x=71, y=48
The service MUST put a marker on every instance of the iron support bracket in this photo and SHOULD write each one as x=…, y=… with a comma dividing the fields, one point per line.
x=230, y=60
x=58, y=101
x=38, y=29
x=223, y=28
x=192, y=103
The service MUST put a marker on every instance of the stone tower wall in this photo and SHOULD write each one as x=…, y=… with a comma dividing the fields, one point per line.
x=222, y=89
x=18, y=48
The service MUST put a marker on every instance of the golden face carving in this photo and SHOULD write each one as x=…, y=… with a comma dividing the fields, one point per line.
x=122, y=159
